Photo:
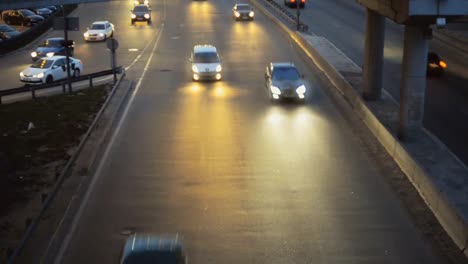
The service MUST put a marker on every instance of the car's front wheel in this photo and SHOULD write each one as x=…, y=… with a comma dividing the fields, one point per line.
x=49, y=79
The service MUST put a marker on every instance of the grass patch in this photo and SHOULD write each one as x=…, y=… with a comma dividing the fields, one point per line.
x=28, y=157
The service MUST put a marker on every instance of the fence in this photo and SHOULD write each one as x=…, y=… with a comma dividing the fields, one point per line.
x=33, y=88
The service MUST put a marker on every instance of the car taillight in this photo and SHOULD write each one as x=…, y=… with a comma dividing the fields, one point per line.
x=443, y=64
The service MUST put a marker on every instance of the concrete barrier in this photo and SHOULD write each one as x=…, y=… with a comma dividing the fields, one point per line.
x=446, y=213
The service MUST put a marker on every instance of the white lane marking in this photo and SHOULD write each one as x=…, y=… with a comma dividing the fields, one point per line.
x=143, y=51
x=104, y=158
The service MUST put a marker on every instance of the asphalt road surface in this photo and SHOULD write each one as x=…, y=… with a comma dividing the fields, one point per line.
x=242, y=180
x=446, y=107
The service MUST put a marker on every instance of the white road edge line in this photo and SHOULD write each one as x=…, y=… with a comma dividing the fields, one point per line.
x=104, y=158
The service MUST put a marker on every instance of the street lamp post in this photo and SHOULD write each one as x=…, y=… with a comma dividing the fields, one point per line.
x=298, y=13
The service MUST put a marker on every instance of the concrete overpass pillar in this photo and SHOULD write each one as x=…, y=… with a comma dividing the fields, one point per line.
x=413, y=79
x=373, y=57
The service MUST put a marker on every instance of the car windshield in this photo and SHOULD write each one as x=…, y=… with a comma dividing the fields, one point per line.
x=5, y=28
x=205, y=57
x=52, y=43
x=26, y=12
x=243, y=7
x=42, y=64
x=97, y=26
x=285, y=74
x=140, y=9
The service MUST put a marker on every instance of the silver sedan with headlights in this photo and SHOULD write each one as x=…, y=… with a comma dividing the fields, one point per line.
x=282, y=80
x=50, y=69
x=242, y=12
x=99, y=31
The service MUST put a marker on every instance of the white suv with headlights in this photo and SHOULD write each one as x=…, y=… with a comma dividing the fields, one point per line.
x=206, y=64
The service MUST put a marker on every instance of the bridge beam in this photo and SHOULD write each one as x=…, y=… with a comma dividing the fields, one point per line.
x=17, y=4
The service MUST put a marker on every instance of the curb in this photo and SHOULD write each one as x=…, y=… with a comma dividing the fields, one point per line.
x=65, y=172
x=447, y=215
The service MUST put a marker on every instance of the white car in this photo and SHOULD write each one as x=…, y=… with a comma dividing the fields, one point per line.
x=206, y=63
x=50, y=69
x=99, y=30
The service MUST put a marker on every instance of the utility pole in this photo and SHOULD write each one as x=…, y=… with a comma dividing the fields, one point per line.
x=298, y=13
x=67, y=49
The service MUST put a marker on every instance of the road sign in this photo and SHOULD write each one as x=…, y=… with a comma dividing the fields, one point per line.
x=73, y=23
x=112, y=44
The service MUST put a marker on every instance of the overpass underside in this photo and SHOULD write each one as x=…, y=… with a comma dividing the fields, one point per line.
x=16, y=4
x=419, y=18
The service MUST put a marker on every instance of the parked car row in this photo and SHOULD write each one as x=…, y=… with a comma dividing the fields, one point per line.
x=50, y=56
x=28, y=17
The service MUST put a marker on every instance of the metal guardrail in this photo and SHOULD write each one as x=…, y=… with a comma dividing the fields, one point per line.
x=286, y=15
x=33, y=88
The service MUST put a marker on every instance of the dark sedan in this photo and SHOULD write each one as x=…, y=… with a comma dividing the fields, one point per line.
x=22, y=17
x=50, y=47
x=435, y=66
x=242, y=11
x=149, y=248
x=44, y=12
x=51, y=8
x=8, y=32
x=282, y=80
x=141, y=13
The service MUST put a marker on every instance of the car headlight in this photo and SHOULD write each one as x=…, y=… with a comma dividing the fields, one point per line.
x=50, y=54
x=34, y=54
x=219, y=68
x=101, y=35
x=147, y=16
x=133, y=16
x=21, y=74
x=39, y=75
x=301, y=89
x=195, y=68
x=237, y=14
x=251, y=14
x=86, y=34
x=275, y=90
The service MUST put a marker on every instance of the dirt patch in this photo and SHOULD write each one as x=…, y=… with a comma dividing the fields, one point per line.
x=36, y=140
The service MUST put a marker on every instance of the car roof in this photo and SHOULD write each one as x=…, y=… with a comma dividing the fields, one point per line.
x=55, y=38
x=204, y=48
x=243, y=4
x=144, y=242
x=100, y=22
x=283, y=65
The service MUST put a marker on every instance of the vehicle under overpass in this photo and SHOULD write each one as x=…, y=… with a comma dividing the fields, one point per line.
x=15, y=4
x=420, y=17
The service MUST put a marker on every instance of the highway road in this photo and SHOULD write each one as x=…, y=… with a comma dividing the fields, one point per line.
x=242, y=180
x=446, y=109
